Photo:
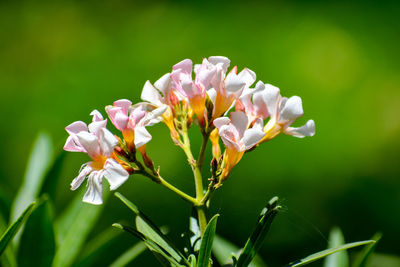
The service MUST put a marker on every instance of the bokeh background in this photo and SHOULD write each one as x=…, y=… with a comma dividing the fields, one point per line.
x=59, y=60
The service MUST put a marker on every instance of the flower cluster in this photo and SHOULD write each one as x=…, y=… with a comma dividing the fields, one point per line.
x=222, y=103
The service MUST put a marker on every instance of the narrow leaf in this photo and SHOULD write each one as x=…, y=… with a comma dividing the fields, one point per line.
x=223, y=251
x=207, y=242
x=12, y=230
x=8, y=259
x=327, y=252
x=339, y=259
x=129, y=255
x=365, y=254
x=151, y=231
x=37, y=245
x=158, y=251
x=256, y=239
x=38, y=163
x=73, y=227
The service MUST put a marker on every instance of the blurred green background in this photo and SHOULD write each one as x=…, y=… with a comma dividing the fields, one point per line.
x=59, y=60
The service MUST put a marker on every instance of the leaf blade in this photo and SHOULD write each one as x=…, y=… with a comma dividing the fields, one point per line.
x=341, y=258
x=257, y=237
x=327, y=252
x=207, y=243
x=363, y=257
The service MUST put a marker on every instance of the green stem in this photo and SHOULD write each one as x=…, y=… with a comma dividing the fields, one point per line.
x=158, y=179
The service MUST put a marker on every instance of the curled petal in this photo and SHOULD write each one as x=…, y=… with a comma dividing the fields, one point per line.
x=307, y=129
x=219, y=122
x=247, y=76
x=72, y=144
x=124, y=104
x=223, y=61
x=118, y=117
x=96, y=115
x=252, y=137
x=76, y=127
x=291, y=110
x=94, y=194
x=185, y=65
x=240, y=121
x=85, y=170
x=154, y=116
x=266, y=101
x=163, y=83
x=96, y=126
x=151, y=94
x=115, y=174
x=142, y=136
x=233, y=84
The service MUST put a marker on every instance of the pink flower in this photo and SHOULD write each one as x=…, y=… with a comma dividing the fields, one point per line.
x=237, y=137
x=265, y=102
x=99, y=144
x=226, y=88
x=131, y=121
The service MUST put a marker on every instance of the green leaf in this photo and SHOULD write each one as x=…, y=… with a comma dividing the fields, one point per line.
x=150, y=230
x=159, y=252
x=8, y=259
x=327, y=252
x=129, y=255
x=256, y=239
x=223, y=251
x=38, y=163
x=98, y=245
x=207, y=242
x=364, y=256
x=37, y=245
x=12, y=230
x=192, y=260
x=339, y=259
x=73, y=227
x=52, y=176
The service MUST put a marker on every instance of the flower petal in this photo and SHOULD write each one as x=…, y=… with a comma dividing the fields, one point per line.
x=90, y=143
x=163, y=83
x=142, y=136
x=96, y=115
x=252, y=137
x=154, y=116
x=76, y=127
x=150, y=94
x=307, y=129
x=107, y=142
x=266, y=101
x=291, y=110
x=233, y=84
x=85, y=170
x=95, y=126
x=223, y=61
x=115, y=174
x=247, y=76
x=185, y=65
x=124, y=104
x=118, y=117
x=94, y=194
x=72, y=144
x=219, y=122
x=240, y=121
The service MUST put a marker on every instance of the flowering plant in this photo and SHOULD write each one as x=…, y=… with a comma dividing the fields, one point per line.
x=225, y=106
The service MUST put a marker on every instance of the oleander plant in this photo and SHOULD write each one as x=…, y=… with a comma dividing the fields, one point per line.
x=233, y=112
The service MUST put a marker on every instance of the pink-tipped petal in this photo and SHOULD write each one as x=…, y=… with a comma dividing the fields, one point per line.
x=230, y=136
x=115, y=174
x=96, y=126
x=72, y=144
x=124, y=104
x=142, y=136
x=118, y=117
x=266, y=101
x=76, y=127
x=307, y=129
x=185, y=65
x=94, y=194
